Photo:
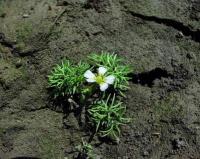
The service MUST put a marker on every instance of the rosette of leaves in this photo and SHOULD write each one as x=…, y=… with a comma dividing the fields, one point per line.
x=67, y=78
x=108, y=116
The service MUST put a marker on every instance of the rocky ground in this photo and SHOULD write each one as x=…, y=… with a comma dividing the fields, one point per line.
x=160, y=39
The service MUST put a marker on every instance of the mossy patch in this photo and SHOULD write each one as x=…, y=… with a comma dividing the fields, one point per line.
x=24, y=32
x=9, y=73
x=50, y=147
x=169, y=107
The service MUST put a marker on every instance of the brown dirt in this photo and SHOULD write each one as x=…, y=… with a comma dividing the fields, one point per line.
x=159, y=39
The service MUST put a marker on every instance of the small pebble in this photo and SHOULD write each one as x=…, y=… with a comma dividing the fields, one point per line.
x=178, y=143
x=25, y=16
x=191, y=55
x=180, y=35
x=18, y=64
x=49, y=7
x=3, y=15
x=145, y=153
x=156, y=134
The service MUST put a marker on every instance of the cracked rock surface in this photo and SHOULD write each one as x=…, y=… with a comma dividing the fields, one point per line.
x=161, y=41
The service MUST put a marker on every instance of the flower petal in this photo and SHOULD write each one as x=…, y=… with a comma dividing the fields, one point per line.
x=110, y=79
x=102, y=70
x=103, y=86
x=88, y=74
x=90, y=80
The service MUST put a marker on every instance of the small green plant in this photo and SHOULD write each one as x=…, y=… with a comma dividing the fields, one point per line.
x=85, y=150
x=94, y=86
x=115, y=66
x=67, y=78
x=108, y=116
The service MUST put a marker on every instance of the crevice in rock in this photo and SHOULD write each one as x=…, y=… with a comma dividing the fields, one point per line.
x=147, y=78
x=37, y=109
x=6, y=42
x=186, y=30
x=16, y=51
x=93, y=4
x=98, y=5
x=29, y=52
x=159, y=77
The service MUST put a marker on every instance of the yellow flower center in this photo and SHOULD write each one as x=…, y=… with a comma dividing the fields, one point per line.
x=100, y=79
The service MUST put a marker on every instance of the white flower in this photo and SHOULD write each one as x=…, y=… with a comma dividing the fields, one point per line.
x=100, y=78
